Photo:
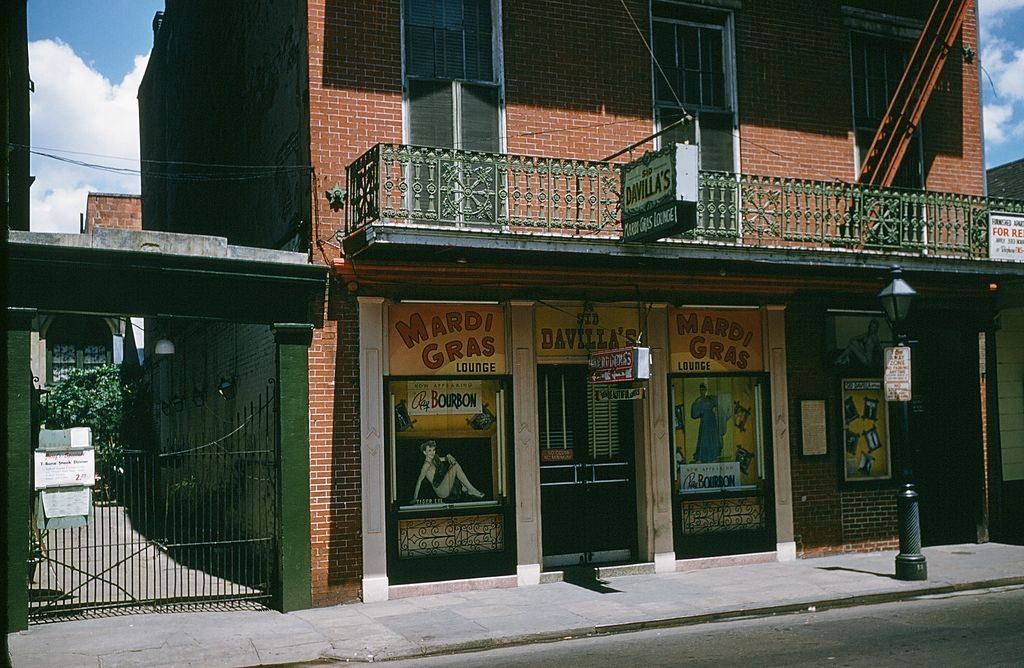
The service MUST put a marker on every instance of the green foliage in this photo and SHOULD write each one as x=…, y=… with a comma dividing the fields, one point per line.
x=94, y=398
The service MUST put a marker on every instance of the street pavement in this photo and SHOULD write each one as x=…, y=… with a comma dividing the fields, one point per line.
x=485, y=619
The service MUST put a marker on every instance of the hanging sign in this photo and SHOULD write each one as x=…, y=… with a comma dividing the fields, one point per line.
x=620, y=365
x=446, y=339
x=65, y=469
x=577, y=330
x=897, y=373
x=715, y=340
x=1006, y=237
x=618, y=393
x=659, y=193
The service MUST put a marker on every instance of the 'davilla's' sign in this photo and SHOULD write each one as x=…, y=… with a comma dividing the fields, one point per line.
x=659, y=193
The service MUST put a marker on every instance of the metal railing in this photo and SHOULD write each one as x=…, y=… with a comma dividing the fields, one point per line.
x=488, y=191
x=418, y=186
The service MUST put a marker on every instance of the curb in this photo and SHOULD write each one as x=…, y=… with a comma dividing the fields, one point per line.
x=687, y=620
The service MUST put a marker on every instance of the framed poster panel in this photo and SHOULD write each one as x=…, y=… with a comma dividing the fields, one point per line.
x=865, y=417
x=855, y=342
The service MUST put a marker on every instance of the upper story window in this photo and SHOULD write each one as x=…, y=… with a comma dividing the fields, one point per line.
x=693, y=74
x=452, y=83
x=877, y=65
x=76, y=343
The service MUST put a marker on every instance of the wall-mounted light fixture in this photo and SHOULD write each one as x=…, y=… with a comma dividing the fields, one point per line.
x=227, y=387
x=198, y=398
x=164, y=347
x=336, y=197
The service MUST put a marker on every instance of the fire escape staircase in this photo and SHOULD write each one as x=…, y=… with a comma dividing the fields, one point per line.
x=907, y=105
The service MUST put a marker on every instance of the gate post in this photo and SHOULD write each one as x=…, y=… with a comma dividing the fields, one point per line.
x=18, y=426
x=292, y=586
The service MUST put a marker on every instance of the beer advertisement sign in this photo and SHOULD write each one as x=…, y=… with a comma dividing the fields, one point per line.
x=706, y=340
x=446, y=339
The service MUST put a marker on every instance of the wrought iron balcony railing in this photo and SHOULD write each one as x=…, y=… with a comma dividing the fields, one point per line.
x=445, y=188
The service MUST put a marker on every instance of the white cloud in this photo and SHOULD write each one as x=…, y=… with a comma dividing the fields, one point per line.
x=75, y=108
x=996, y=7
x=1004, y=63
x=996, y=118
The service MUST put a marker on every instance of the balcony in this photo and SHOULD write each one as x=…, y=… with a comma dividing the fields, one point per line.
x=468, y=192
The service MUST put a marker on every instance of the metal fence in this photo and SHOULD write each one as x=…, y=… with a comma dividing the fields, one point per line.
x=417, y=186
x=193, y=523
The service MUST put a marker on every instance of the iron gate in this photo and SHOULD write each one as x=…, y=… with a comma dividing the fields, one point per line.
x=193, y=521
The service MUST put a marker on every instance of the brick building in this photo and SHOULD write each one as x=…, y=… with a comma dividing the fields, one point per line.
x=456, y=163
x=112, y=210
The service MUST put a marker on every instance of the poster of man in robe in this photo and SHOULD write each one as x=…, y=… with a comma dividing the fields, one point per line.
x=718, y=442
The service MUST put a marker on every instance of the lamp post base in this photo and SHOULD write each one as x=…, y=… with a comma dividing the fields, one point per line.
x=910, y=563
x=911, y=567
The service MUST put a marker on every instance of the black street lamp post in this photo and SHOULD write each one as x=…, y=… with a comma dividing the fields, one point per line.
x=895, y=299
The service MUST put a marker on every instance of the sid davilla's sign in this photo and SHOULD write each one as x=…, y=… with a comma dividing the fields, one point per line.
x=659, y=193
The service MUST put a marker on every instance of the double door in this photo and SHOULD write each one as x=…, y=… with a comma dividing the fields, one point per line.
x=587, y=472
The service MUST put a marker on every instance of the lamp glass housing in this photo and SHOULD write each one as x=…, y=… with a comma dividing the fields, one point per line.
x=896, y=298
x=226, y=388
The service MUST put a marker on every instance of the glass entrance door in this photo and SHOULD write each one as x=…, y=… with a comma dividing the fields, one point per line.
x=587, y=481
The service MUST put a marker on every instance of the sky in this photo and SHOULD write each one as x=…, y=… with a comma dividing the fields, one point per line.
x=87, y=58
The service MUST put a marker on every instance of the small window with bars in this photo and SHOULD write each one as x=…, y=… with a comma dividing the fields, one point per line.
x=77, y=343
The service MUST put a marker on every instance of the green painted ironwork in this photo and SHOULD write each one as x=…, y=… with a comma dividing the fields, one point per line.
x=482, y=191
x=418, y=186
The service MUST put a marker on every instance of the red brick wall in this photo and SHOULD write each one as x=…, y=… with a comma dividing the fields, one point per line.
x=118, y=211
x=355, y=101
x=826, y=517
x=577, y=78
x=796, y=119
x=336, y=512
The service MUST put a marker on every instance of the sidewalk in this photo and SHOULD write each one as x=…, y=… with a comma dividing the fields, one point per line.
x=492, y=618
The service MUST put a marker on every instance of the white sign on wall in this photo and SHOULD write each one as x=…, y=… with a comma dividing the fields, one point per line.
x=1006, y=237
x=65, y=469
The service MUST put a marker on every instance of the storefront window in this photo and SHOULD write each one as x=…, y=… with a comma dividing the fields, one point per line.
x=718, y=434
x=447, y=445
